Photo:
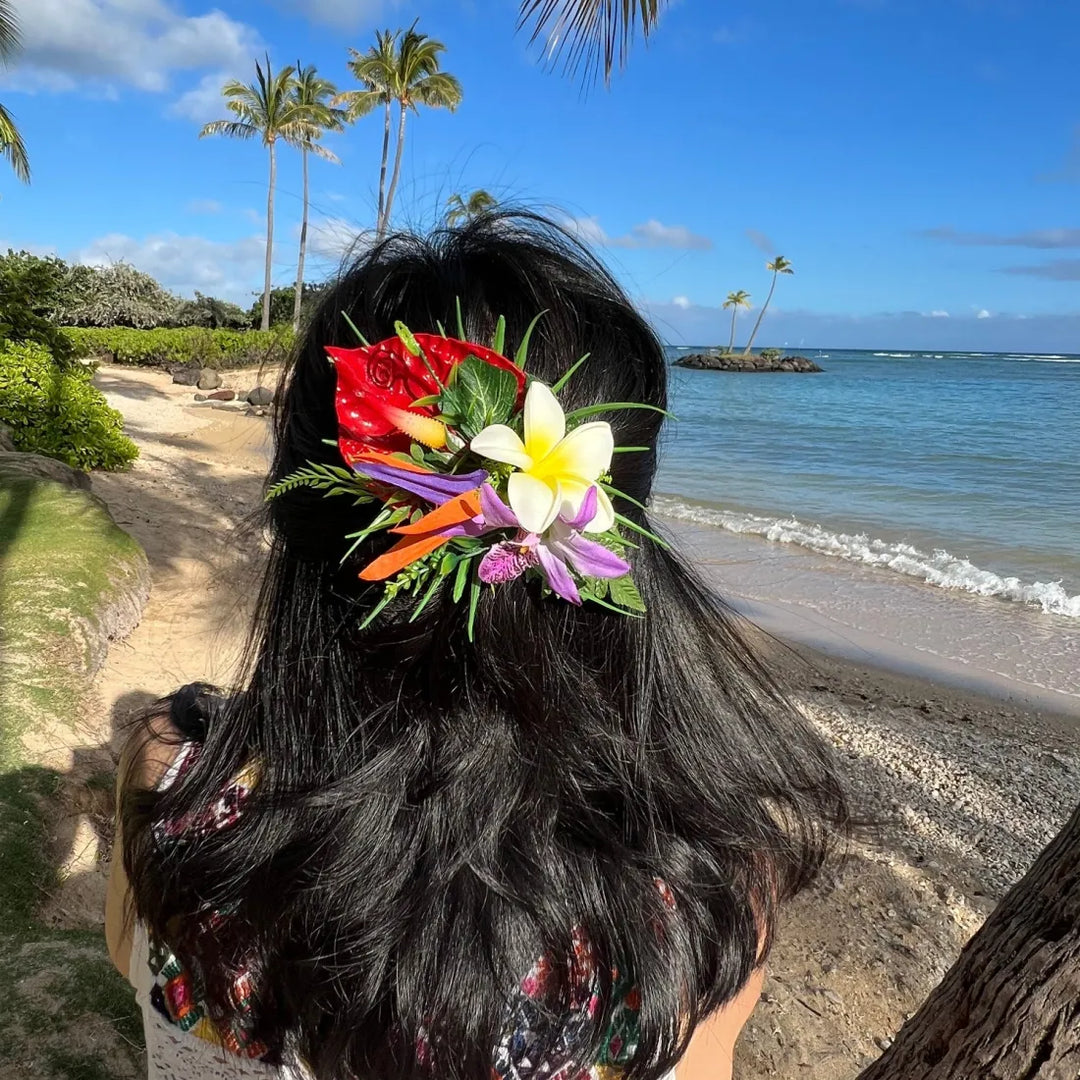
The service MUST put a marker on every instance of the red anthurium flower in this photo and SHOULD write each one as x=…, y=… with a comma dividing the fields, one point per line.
x=376, y=384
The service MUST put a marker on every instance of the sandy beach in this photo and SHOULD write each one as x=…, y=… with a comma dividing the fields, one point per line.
x=967, y=786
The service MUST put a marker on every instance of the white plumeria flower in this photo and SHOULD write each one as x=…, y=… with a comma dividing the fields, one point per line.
x=556, y=469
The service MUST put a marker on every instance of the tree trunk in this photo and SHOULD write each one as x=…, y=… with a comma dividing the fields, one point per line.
x=269, y=240
x=397, y=170
x=731, y=343
x=1009, y=1008
x=761, y=315
x=380, y=223
x=299, y=297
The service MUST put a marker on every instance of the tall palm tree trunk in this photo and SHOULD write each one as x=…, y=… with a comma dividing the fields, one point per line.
x=731, y=343
x=298, y=298
x=397, y=169
x=381, y=219
x=269, y=239
x=761, y=315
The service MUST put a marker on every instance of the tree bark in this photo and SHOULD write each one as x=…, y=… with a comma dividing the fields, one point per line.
x=380, y=223
x=269, y=240
x=731, y=343
x=397, y=170
x=1009, y=1008
x=761, y=315
x=299, y=297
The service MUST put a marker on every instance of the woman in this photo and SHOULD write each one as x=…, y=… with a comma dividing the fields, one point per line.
x=535, y=821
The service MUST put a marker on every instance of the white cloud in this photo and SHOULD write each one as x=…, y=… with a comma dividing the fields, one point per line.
x=98, y=46
x=983, y=314
x=649, y=234
x=334, y=238
x=204, y=206
x=203, y=102
x=230, y=269
x=682, y=302
x=939, y=314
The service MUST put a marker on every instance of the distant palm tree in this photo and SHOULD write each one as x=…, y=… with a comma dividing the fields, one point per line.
x=415, y=80
x=461, y=210
x=266, y=108
x=735, y=300
x=375, y=69
x=11, y=144
x=592, y=33
x=779, y=265
x=313, y=95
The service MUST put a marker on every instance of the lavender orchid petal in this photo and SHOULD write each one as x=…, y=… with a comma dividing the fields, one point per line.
x=589, y=558
x=586, y=513
x=436, y=488
x=496, y=513
x=558, y=577
x=506, y=561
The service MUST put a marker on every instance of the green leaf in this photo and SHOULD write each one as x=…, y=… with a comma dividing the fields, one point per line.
x=442, y=329
x=634, y=527
x=460, y=580
x=481, y=395
x=405, y=336
x=460, y=320
x=474, y=599
x=625, y=593
x=331, y=479
x=523, y=349
x=352, y=326
x=631, y=449
x=499, y=343
x=614, y=406
x=566, y=378
x=386, y=598
x=622, y=495
x=436, y=580
x=416, y=452
x=419, y=403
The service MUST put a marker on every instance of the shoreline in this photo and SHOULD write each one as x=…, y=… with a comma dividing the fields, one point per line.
x=967, y=788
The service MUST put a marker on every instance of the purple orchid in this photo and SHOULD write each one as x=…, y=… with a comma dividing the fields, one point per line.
x=562, y=546
x=436, y=488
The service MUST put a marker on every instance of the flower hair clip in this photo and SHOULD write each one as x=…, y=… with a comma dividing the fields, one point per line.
x=479, y=473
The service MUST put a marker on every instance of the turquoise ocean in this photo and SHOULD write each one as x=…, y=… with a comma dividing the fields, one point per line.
x=958, y=472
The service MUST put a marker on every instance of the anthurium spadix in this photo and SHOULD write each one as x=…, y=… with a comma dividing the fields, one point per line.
x=555, y=469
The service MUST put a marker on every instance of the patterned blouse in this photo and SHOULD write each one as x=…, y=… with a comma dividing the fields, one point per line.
x=534, y=1046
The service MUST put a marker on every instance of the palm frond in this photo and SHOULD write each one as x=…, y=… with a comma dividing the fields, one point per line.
x=589, y=35
x=9, y=31
x=440, y=90
x=234, y=129
x=12, y=146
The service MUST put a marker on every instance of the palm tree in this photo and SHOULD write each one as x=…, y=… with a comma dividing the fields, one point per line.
x=375, y=70
x=313, y=95
x=11, y=144
x=403, y=67
x=779, y=265
x=266, y=108
x=735, y=300
x=461, y=210
x=591, y=32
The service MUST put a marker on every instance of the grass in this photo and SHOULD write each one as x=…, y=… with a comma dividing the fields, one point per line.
x=65, y=1013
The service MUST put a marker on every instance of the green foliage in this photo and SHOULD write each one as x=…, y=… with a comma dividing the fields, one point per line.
x=32, y=290
x=211, y=313
x=220, y=349
x=57, y=411
x=282, y=302
x=771, y=354
x=480, y=395
x=117, y=295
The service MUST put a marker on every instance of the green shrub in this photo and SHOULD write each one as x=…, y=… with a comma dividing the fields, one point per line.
x=771, y=354
x=282, y=302
x=32, y=289
x=210, y=312
x=221, y=349
x=58, y=411
x=117, y=295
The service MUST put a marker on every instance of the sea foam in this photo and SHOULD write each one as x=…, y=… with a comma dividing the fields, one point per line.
x=939, y=568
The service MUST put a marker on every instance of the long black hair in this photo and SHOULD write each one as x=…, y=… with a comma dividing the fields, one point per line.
x=435, y=813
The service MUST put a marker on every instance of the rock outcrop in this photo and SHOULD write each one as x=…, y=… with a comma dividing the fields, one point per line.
x=737, y=362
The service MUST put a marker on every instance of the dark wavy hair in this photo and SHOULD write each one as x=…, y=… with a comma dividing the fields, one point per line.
x=433, y=813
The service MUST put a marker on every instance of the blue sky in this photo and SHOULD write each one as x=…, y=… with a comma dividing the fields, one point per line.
x=917, y=160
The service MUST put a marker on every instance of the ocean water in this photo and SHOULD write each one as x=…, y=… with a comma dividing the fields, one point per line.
x=958, y=472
